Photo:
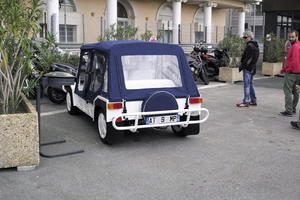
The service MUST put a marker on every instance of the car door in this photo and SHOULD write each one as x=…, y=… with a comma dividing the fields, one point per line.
x=83, y=81
x=98, y=80
x=83, y=76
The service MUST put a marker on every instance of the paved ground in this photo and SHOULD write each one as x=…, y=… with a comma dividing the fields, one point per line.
x=241, y=153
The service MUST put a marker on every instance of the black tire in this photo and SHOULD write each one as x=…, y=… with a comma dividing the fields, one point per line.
x=107, y=133
x=203, y=76
x=179, y=131
x=69, y=103
x=209, y=70
x=56, y=95
x=192, y=129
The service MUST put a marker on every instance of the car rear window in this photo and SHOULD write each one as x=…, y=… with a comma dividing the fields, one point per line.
x=151, y=71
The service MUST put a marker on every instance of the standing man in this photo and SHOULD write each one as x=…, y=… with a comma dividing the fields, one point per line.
x=296, y=124
x=292, y=76
x=248, y=66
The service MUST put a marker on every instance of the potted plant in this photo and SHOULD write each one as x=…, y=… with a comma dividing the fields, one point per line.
x=273, y=55
x=19, y=139
x=234, y=46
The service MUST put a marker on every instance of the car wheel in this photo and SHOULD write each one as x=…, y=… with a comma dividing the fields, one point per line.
x=192, y=129
x=107, y=133
x=69, y=102
x=179, y=131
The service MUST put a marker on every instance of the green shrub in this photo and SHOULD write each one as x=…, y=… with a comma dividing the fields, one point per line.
x=67, y=59
x=146, y=36
x=235, y=46
x=119, y=33
x=19, y=23
x=273, y=49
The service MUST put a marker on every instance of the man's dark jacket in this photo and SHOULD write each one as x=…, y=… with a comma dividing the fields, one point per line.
x=250, y=56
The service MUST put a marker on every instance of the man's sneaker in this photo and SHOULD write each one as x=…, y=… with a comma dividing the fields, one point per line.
x=285, y=113
x=295, y=125
x=252, y=104
x=240, y=105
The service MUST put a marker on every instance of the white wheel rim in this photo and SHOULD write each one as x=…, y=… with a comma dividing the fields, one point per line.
x=102, y=125
x=68, y=98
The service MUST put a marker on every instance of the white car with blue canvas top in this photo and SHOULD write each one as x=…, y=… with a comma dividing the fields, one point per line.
x=132, y=85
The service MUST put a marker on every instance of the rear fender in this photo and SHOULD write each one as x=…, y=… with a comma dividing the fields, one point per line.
x=99, y=106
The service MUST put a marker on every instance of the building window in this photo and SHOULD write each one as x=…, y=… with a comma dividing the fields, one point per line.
x=67, y=5
x=165, y=18
x=67, y=33
x=284, y=26
x=122, y=15
x=256, y=10
x=199, y=25
x=43, y=30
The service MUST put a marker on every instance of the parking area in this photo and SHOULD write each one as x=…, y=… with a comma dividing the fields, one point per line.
x=241, y=153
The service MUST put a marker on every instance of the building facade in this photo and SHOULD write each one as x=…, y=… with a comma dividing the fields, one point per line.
x=254, y=20
x=174, y=21
x=282, y=17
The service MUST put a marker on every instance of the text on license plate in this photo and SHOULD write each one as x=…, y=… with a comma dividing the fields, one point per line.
x=162, y=119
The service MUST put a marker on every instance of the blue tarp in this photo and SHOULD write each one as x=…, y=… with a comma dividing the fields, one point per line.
x=116, y=85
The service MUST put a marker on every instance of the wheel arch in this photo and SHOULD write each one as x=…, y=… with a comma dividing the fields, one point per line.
x=99, y=106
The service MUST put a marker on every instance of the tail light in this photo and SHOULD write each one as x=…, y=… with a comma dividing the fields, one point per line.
x=112, y=106
x=205, y=56
x=196, y=100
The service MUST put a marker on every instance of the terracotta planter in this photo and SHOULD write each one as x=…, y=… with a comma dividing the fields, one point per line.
x=19, y=139
x=271, y=69
x=230, y=74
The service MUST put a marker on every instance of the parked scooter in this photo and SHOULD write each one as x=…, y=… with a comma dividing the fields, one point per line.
x=212, y=63
x=196, y=66
x=56, y=94
x=43, y=51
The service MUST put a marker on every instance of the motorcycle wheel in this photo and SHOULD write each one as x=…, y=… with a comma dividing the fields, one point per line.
x=56, y=95
x=210, y=71
x=203, y=76
x=194, y=72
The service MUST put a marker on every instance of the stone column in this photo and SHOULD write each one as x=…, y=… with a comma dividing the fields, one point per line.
x=176, y=4
x=53, y=18
x=112, y=12
x=241, y=26
x=208, y=19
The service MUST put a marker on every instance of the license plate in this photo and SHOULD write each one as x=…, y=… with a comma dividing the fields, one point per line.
x=162, y=119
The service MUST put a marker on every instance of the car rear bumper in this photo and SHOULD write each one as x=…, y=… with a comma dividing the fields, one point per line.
x=137, y=123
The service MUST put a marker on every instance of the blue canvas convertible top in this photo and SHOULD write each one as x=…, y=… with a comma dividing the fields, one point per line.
x=114, y=50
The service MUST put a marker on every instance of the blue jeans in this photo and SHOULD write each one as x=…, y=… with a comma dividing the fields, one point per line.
x=249, y=91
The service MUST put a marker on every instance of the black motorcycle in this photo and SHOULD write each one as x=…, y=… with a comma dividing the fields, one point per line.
x=212, y=63
x=196, y=66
